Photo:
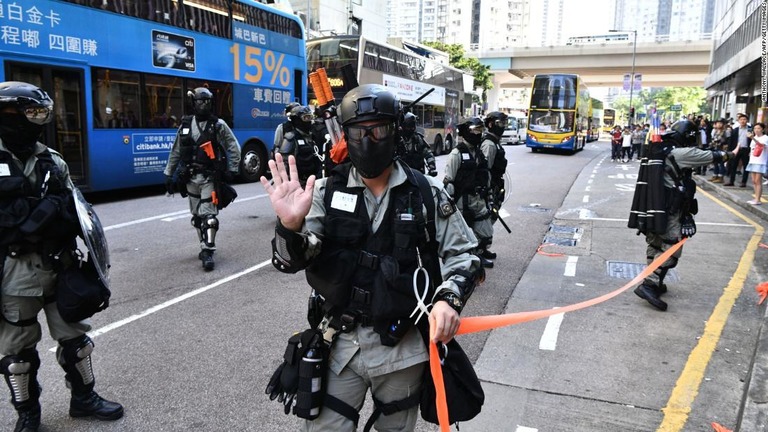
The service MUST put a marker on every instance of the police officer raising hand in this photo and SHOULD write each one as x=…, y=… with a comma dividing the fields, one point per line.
x=290, y=201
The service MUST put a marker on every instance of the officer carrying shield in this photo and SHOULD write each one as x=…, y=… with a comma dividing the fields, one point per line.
x=361, y=234
x=664, y=205
x=204, y=153
x=38, y=226
x=412, y=149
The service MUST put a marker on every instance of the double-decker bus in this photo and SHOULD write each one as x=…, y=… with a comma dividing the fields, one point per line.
x=609, y=119
x=118, y=72
x=407, y=74
x=596, y=119
x=559, y=113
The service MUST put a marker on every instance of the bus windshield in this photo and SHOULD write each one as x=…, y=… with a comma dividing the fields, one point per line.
x=551, y=121
x=554, y=92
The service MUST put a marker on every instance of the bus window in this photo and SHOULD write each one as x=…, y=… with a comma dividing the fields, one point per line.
x=163, y=101
x=116, y=99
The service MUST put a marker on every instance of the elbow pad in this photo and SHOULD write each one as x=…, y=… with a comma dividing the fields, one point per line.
x=288, y=250
x=467, y=281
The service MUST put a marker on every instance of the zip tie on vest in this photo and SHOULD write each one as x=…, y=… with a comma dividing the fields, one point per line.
x=421, y=308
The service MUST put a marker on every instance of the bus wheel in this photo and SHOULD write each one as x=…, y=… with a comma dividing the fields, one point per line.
x=438, y=145
x=253, y=163
x=448, y=143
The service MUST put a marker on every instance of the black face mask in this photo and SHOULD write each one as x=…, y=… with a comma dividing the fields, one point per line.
x=19, y=135
x=473, y=140
x=203, y=109
x=371, y=157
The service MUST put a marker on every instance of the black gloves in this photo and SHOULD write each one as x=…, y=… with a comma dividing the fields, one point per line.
x=688, y=228
x=432, y=172
x=229, y=176
x=170, y=186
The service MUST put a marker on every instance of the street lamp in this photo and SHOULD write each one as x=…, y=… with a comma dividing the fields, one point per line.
x=632, y=74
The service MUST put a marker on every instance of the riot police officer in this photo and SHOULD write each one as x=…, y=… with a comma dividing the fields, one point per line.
x=204, y=154
x=38, y=225
x=412, y=149
x=664, y=205
x=300, y=143
x=495, y=124
x=467, y=179
x=350, y=231
x=282, y=129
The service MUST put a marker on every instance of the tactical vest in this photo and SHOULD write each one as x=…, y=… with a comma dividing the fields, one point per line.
x=472, y=173
x=367, y=277
x=195, y=156
x=499, y=166
x=18, y=197
x=410, y=152
x=303, y=149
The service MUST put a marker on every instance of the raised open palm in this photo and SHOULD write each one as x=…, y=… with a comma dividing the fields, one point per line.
x=290, y=202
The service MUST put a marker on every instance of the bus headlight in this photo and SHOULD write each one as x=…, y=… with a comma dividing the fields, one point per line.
x=532, y=138
x=566, y=139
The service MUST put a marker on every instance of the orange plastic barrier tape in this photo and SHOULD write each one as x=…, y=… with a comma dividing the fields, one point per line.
x=540, y=251
x=762, y=289
x=339, y=151
x=720, y=428
x=481, y=323
x=763, y=245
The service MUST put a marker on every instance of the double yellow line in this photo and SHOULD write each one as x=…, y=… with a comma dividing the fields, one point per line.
x=687, y=387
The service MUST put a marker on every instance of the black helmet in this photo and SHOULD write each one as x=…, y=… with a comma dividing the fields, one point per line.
x=408, y=125
x=471, y=130
x=496, y=122
x=290, y=107
x=301, y=117
x=371, y=147
x=33, y=109
x=368, y=102
x=202, y=102
x=684, y=133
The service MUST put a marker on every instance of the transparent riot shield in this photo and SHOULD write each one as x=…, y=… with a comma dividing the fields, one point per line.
x=93, y=236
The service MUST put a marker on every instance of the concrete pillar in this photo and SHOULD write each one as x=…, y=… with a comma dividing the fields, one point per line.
x=493, y=95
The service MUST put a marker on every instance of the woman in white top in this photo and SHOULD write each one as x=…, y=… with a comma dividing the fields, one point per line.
x=626, y=145
x=758, y=165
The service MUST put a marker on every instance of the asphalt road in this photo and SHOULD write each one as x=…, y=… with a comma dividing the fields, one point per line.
x=184, y=350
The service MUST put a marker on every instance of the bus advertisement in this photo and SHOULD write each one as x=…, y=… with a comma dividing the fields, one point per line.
x=119, y=82
x=559, y=113
x=407, y=74
x=609, y=119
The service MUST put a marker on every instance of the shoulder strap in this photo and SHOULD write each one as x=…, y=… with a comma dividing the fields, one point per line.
x=674, y=171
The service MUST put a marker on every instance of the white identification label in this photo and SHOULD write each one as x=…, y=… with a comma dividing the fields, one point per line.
x=344, y=201
x=302, y=142
x=5, y=170
x=465, y=156
x=185, y=131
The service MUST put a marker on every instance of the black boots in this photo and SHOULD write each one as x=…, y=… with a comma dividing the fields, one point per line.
x=20, y=373
x=91, y=404
x=29, y=419
x=488, y=254
x=206, y=256
x=651, y=295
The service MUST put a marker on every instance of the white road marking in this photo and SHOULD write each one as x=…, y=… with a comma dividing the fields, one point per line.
x=590, y=181
x=548, y=340
x=588, y=189
x=171, y=302
x=525, y=429
x=570, y=266
x=171, y=219
x=584, y=214
x=172, y=215
x=585, y=199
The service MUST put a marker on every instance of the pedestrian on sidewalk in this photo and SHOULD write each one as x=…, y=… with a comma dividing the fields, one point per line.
x=626, y=145
x=638, y=138
x=758, y=160
x=718, y=143
x=616, y=143
x=742, y=152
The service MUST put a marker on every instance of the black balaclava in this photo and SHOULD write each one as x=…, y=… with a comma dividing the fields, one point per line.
x=19, y=135
x=372, y=157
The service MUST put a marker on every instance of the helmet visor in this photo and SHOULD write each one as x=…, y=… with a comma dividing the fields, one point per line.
x=37, y=112
x=355, y=133
x=476, y=130
x=307, y=118
x=501, y=123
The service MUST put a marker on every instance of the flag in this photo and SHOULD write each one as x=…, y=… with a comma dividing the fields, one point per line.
x=655, y=125
x=626, y=82
x=637, y=82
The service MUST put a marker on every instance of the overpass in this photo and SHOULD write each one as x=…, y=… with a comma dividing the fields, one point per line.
x=678, y=63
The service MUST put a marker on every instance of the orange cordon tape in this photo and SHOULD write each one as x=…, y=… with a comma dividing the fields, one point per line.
x=540, y=250
x=481, y=323
x=720, y=428
x=762, y=289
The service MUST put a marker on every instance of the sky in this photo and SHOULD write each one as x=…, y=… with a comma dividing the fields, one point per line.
x=587, y=17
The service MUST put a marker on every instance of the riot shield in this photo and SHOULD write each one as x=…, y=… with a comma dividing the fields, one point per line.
x=93, y=235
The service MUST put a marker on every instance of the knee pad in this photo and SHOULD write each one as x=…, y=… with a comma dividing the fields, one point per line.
x=74, y=356
x=20, y=372
x=209, y=227
x=196, y=221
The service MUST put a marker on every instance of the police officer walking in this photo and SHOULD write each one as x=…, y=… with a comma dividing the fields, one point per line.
x=495, y=124
x=664, y=205
x=283, y=128
x=412, y=149
x=360, y=235
x=467, y=179
x=300, y=143
x=38, y=225
x=204, y=154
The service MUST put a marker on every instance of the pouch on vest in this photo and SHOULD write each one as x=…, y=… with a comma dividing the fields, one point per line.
x=80, y=293
x=335, y=285
x=392, y=296
x=226, y=194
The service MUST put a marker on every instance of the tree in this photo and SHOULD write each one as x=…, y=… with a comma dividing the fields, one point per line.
x=456, y=58
x=692, y=99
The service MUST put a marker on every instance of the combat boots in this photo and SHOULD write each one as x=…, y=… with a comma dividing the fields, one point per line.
x=488, y=254
x=29, y=419
x=206, y=256
x=649, y=293
x=91, y=404
x=20, y=373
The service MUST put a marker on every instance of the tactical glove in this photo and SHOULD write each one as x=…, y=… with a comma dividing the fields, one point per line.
x=285, y=381
x=432, y=172
x=688, y=228
x=170, y=186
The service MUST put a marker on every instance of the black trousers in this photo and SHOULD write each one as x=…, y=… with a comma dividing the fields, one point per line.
x=733, y=164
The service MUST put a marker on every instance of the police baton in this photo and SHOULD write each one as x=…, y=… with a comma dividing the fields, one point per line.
x=504, y=224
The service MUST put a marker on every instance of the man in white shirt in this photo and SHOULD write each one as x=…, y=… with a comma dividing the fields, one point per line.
x=742, y=152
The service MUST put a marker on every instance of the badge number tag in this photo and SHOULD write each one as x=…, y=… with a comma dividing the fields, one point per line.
x=465, y=156
x=185, y=131
x=5, y=170
x=344, y=201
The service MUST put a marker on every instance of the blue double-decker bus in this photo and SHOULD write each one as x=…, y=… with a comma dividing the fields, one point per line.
x=119, y=70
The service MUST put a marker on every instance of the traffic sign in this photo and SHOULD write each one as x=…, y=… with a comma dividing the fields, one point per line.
x=676, y=107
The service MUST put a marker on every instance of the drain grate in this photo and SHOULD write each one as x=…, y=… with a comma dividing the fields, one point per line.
x=628, y=270
x=560, y=241
x=529, y=209
x=561, y=229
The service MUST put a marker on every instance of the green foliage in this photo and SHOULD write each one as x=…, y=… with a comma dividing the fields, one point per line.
x=456, y=58
x=692, y=99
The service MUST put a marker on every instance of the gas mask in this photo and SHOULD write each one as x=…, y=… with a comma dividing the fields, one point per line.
x=371, y=148
x=18, y=134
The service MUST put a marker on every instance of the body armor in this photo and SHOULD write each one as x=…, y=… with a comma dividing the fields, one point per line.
x=193, y=152
x=410, y=152
x=472, y=174
x=304, y=150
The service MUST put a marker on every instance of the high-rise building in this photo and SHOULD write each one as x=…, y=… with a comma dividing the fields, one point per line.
x=504, y=24
x=664, y=20
x=326, y=17
x=430, y=20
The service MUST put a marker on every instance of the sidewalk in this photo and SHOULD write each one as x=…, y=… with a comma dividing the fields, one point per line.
x=754, y=410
